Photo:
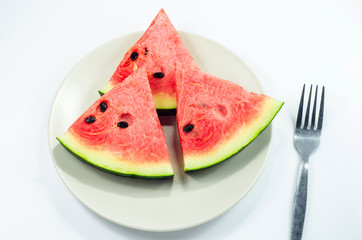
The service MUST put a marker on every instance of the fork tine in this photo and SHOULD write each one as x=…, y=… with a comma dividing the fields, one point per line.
x=321, y=111
x=306, y=121
x=314, y=109
x=300, y=110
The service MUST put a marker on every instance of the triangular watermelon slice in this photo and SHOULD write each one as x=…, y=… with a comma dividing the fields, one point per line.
x=121, y=133
x=216, y=118
x=157, y=50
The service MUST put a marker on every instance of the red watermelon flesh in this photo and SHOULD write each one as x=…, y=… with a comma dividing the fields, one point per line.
x=121, y=132
x=157, y=50
x=216, y=118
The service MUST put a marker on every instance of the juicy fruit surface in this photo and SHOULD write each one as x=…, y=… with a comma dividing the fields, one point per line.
x=121, y=132
x=157, y=50
x=216, y=118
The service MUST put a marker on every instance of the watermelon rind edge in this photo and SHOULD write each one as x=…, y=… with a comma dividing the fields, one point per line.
x=190, y=170
x=166, y=112
x=84, y=160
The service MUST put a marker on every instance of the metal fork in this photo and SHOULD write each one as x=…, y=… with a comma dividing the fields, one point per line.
x=306, y=140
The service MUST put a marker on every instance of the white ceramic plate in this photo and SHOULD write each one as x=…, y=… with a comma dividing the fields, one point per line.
x=155, y=205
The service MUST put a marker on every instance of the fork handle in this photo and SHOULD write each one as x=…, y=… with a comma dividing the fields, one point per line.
x=300, y=202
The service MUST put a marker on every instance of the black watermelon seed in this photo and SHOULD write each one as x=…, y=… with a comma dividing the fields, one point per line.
x=158, y=75
x=146, y=51
x=134, y=56
x=90, y=119
x=122, y=124
x=188, y=128
x=103, y=106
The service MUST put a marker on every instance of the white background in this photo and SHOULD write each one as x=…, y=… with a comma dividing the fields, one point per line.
x=285, y=44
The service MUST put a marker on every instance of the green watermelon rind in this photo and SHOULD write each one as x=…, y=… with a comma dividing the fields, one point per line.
x=257, y=133
x=90, y=163
x=105, y=89
x=166, y=112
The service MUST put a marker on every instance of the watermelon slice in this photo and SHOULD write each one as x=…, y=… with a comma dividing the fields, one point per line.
x=218, y=121
x=121, y=133
x=157, y=50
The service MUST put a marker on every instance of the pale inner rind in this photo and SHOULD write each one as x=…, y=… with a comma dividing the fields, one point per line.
x=106, y=88
x=164, y=101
